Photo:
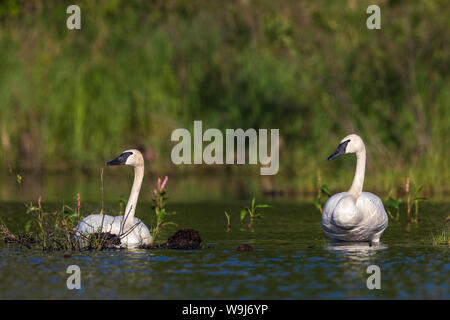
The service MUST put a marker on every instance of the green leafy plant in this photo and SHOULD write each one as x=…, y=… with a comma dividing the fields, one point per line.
x=54, y=230
x=252, y=212
x=413, y=199
x=321, y=189
x=158, y=205
x=393, y=207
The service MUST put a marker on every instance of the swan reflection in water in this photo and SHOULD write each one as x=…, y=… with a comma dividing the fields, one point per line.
x=359, y=251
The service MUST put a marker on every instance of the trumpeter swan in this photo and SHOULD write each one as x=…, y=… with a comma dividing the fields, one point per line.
x=354, y=215
x=130, y=229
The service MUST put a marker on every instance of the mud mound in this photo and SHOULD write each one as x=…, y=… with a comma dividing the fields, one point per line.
x=183, y=239
x=245, y=247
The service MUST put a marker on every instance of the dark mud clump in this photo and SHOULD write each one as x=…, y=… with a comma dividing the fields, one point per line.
x=245, y=247
x=103, y=240
x=183, y=239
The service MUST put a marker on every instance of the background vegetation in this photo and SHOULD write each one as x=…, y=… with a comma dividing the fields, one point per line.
x=139, y=69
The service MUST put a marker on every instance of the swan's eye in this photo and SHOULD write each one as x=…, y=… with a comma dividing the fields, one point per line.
x=125, y=155
x=343, y=145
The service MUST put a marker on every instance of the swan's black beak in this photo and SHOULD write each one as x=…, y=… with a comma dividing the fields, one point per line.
x=340, y=150
x=120, y=160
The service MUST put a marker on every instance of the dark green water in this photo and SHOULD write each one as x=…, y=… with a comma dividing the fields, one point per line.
x=292, y=260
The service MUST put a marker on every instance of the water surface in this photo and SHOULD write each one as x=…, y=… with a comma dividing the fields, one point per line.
x=292, y=260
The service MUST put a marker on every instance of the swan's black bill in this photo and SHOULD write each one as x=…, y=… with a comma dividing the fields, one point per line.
x=120, y=160
x=340, y=150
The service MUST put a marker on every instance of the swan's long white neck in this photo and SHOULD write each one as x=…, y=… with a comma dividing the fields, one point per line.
x=358, y=181
x=134, y=195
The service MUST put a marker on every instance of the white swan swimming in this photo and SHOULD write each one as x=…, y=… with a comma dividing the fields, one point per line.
x=354, y=215
x=132, y=231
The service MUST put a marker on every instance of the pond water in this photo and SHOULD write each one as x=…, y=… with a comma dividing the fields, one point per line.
x=292, y=260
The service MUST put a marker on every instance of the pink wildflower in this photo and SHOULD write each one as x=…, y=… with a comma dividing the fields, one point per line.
x=164, y=183
x=407, y=185
x=154, y=192
x=159, y=183
x=39, y=201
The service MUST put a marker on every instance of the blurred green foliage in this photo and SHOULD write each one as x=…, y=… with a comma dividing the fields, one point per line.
x=139, y=69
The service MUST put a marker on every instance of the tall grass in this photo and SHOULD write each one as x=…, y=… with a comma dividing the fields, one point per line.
x=139, y=69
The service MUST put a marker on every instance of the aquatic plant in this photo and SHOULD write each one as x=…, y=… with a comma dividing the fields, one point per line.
x=413, y=199
x=442, y=238
x=56, y=230
x=321, y=189
x=122, y=205
x=251, y=210
x=159, y=200
x=19, y=181
x=40, y=218
x=78, y=203
x=228, y=216
x=9, y=237
x=393, y=205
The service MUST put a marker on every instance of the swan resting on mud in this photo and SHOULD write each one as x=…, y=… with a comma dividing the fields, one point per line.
x=131, y=230
x=354, y=215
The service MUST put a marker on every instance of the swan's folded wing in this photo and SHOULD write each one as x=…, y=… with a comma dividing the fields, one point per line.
x=375, y=216
x=94, y=222
x=328, y=209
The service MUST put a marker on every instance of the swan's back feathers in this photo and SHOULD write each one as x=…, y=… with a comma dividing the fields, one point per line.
x=139, y=233
x=368, y=225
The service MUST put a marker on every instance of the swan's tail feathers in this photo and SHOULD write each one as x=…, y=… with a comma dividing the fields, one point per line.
x=345, y=220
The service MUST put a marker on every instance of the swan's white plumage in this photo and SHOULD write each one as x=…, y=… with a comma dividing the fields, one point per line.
x=137, y=235
x=354, y=215
x=367, y=224
x=132, y=231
